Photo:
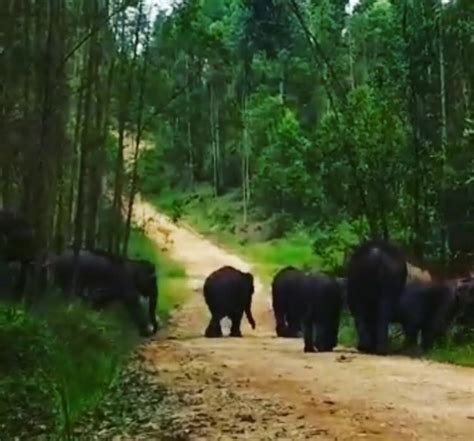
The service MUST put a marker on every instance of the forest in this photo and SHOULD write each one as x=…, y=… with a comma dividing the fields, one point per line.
x=288, y=130
x=319, y=117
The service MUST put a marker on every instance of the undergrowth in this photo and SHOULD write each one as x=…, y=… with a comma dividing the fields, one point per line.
x=56, y=361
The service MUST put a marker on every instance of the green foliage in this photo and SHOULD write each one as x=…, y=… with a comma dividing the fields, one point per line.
x=56, y=364
x=347, y=331
x=454, y=353
x=26, y=392
x=341, y=126
x=371, y=134
x=282, y=181
x=333, y=244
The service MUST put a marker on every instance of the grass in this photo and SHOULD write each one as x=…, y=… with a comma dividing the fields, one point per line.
x=459, y=354
x=220, y=219
x=58, y=360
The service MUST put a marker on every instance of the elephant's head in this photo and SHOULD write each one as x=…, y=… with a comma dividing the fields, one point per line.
x=464, y=297
x=145, y=280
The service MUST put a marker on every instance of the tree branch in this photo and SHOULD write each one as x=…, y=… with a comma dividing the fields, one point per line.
x=95, y=28
x=318, y=52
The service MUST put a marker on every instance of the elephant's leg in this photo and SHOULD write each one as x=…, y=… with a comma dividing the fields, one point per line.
x=326, y=340
x=21, y=281
x=321, y=341
x=308, y=335
x=384, y=314
x=293, y=331
x=135, y=312
x=214, y=329
x=334, y=327
x=435, y=327
x=428, y=338
x=429, y=334
x=411, y=338
x=236, y=319
x=364, y=332
x=280, y=324
x=294, y=325
x=99, y=297
x=294, y=321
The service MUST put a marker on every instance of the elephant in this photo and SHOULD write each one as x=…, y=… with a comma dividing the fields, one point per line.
x=17, y=245
x=425, y=308
x=376, y=277
x=465, y=302
x=323, y=301
x=103, y=278
x=228, y=293
x=287, y=302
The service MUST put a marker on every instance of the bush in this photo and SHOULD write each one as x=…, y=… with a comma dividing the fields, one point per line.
x=55, y=363
x=26, y=392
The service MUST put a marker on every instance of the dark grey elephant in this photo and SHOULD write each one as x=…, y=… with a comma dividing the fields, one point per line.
x=426, y=309
x=323, y=301
x=102, y=279
x=228, y=293
x=17, y=245
x=464, y=313
x=376, y=277
x=288, y=302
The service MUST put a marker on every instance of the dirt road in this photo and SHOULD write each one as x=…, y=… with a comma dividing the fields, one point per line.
x=262, y=388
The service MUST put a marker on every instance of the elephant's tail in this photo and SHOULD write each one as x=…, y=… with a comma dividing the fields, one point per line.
x=248, y=313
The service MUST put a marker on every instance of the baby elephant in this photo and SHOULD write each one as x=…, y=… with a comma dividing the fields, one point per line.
x=425, y=308
x=323, y=299
x=287, y=301
x=228, y=293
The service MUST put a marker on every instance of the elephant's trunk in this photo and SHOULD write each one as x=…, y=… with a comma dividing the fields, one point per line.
x=153, y=300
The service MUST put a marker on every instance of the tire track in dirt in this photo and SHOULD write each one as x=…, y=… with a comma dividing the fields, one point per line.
x=260, y=387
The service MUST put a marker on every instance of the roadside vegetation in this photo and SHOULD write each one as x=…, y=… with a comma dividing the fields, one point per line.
x=59, y=359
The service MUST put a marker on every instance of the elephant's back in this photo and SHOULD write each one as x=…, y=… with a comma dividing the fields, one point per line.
x=222, y=287
x=288, y=281
x=93, y=270
x=376, y=264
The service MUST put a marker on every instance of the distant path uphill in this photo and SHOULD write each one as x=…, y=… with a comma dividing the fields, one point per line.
x=263, y=388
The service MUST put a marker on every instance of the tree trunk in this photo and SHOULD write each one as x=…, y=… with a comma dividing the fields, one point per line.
x=84, y=153
x=138, y=138
x=245, y=163
x=115, y=239
x=444, y=136
x=212, y=121
x=189, y=126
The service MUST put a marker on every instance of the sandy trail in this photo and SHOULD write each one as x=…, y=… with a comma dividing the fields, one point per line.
x=260, y=387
